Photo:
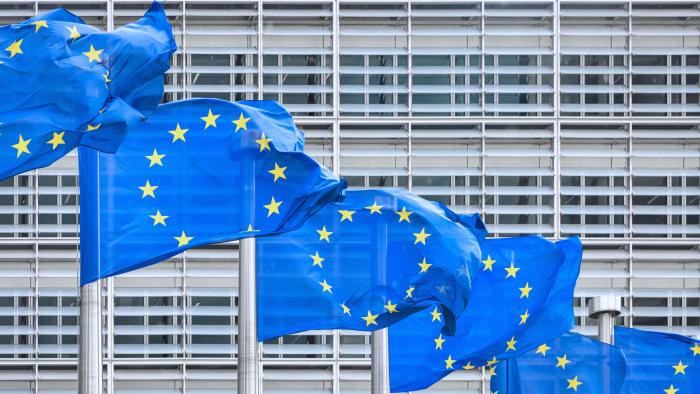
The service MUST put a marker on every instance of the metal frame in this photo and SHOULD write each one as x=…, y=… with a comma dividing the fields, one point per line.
x=622, y=264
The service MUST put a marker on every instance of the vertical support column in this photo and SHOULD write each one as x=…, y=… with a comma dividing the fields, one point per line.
x=380, y=361
x=90, y=357
x=247, y=320
x=605, y=309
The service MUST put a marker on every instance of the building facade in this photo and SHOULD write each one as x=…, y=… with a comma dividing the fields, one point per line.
x=550, y=117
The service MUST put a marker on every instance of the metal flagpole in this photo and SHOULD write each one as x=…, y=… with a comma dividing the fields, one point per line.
x=380, y=361
x=605, y=308
x=90, y=357
x=380, y=338
x=90, y=331
x=247, y=320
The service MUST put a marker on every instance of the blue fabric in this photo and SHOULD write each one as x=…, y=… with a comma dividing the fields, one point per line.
x=659, y=362
x=56, y=97
x=494, y=314
x=370, y=261
x=213, y=184
x=570, y=363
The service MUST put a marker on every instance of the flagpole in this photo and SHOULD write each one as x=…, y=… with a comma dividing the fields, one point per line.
x=380, y=361
x=90, y=321
x=605, y=308
x=380, y=338
x=247, y=321
x=90, y=347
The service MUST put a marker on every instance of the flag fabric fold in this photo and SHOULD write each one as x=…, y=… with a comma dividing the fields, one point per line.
x=196, y=172
x=569, y=363
x=521, y=297
x=65, y=83
x=659, y=362
x=365, y=263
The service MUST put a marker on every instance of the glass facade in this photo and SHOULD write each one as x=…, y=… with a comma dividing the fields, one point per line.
x=549, y=117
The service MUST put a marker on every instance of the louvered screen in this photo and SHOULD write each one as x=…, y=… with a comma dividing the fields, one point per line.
x=548, y=117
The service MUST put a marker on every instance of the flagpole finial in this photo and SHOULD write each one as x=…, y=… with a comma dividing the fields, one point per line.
x=605, y=308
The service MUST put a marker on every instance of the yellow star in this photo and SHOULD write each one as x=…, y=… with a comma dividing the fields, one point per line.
x=562, y=361
x=424, y=266
x=250, y=229
x=525, y=291
x=437, y=316
x=278, y=172
x=38, y=25
x=409, y=292
x=326, y=287
x=93, y=128
x=93, y=55
x=318, y=260
x=492, y=371
x=56, y=140
x=263, y=142
x=15, y=48
x=158, y=218
x=22, y=146
x=178, y=133
x=573, y=383
x=390, y=307
x=374, y=208
x=106, y=77
x=370, y=318
x=183, y=239
x=346, y=310
x=695, y=349
x=542, y=349
x=324, y=234
x=421, y=237
x=438, y=342
x=511, y=344
x=273, y=207
x=404, y=215
x=210, y=119
x=155, y=158
x=488, y=263
x=671, y=390
x=512, y=270
x=148, y=190
x=346, y=215
x=449, y=363
x=468, y=367
x=680, y=368
x=524, y=317
x=241, y=122
x=492, y=361
x=74, y=34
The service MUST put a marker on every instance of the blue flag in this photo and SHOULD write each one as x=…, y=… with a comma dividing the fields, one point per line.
x=570, y=363
x=521, y=297
x=367, y=262
x=658, y=362
x=65, y=83
x=196, y=172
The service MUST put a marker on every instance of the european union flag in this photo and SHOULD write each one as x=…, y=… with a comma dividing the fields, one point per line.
x=367, y=262
x=64, y=83
x=570, y=363
x=659, y=362
x=520, y=297
x=196, y=172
